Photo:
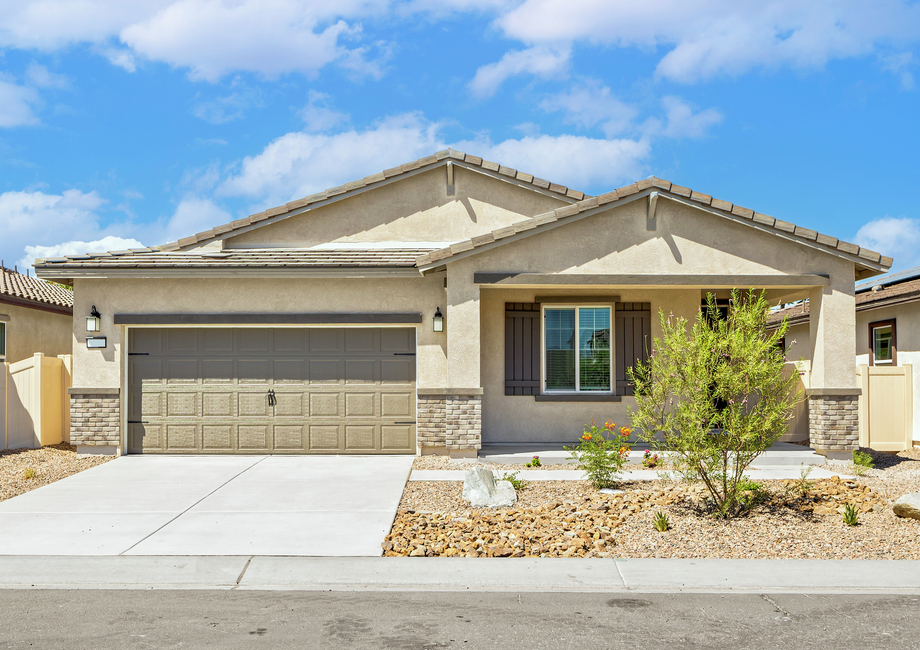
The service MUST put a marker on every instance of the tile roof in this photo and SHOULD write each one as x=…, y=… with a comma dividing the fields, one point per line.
x=894, y=278
x=665, y=188
x=905, y=291
x=17, y=285
x=260, y=258
x=439, y=158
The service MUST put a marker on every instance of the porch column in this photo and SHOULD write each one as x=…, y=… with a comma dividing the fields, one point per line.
x=450, y=418
x=833, y=398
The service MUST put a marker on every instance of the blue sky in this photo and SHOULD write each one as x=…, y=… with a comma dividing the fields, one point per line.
x=126, y=124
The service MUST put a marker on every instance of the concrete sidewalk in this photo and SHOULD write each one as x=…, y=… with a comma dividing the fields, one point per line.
x=755, y=473
x=460, y=574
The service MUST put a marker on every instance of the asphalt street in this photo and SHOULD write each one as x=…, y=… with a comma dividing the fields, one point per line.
x=430, y=620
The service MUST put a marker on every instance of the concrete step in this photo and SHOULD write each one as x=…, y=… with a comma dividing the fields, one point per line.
x=780, y=454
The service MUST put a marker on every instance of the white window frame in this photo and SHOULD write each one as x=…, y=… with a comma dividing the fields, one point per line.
x=577, y=307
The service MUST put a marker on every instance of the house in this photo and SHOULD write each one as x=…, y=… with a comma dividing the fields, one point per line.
x=887, y=346
x=431, y=308
x=35, y=316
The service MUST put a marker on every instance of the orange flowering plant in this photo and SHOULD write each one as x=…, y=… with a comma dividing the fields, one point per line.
x=602, y=452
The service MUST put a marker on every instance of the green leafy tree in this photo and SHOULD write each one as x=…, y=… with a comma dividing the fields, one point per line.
x=715, y=394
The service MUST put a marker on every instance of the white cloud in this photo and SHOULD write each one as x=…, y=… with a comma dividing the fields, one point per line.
x=713, y=37
x=900, y=65
x=17, y=104
x=40, y=77
x=192, y=215
x=589, y=105
x=540, y=61
x=103, y=245
x=228, y=108
x=319, y=115
x=301, y=163
x=576, y=161
x=895, y=237
x=681, y=122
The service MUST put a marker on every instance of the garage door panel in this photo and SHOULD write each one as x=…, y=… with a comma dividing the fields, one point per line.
x=289, y=404
x=400, y=370
x=326, y=341
x=181, y=341
x=217, y=437
x=289, y=371
x=337, y=390
x=217, y=371
x=253, y=371
x=396, y=405
x=324, y=405
x=360, y=437
x=361, y=371
x=145, y=437
x=181, y=405
x=325, y=371
x=252, y=405
x=253, y=437
x=181, y=371
x=395, y=437
x=253, y=341
x=289, y=437
x=289, y=341
x=181, y=437
x=147, y=341
x=217, y=341
x=324, y=437
x=217, y=405
x=395, y=340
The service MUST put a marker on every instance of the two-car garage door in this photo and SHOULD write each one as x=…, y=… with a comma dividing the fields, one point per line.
x=289, y=390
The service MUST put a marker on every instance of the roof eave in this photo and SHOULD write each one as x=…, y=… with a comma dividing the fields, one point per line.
x=237, y=272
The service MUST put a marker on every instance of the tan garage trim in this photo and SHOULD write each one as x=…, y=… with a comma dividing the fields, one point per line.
x=270, y=319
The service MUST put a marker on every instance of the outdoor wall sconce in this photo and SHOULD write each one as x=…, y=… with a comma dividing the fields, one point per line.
x=95, y=342
x=438, y=320
x=92, y=321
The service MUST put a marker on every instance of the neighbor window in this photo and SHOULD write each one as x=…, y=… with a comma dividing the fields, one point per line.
x=883, y=343
x=577, y=349
x=2, y=341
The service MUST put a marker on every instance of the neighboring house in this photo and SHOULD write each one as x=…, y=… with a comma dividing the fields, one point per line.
x=35, y=316
x=887, y=332
x=315, y=327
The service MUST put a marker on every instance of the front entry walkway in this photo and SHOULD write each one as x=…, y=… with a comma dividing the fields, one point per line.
x=215, y=505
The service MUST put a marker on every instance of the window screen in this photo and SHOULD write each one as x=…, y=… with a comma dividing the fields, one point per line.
x=594, y=348
x=2, y=341
x=882, y=344
x=560, y=349
x=577, y=343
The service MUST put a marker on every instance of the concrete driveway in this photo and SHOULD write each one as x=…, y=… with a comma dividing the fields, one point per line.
x=215, y=505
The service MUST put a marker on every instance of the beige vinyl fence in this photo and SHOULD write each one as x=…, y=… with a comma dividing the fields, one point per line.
x=34, y=404
x=886, y=407
x=798, y=423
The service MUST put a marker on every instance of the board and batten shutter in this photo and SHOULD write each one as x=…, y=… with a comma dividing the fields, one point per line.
x=522, y=348
x=632, y=329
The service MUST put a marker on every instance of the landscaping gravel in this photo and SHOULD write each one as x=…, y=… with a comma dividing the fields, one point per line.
x=571, y=519
x=50, y=464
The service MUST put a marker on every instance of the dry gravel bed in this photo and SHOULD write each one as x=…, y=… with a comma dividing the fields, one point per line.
x=443, y=462
x=571, y=519
x=50, y=463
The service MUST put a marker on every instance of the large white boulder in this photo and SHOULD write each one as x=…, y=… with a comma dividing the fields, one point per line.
x=482, y=490
x=908, y=506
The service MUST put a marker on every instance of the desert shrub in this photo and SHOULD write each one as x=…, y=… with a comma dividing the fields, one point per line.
x=714, y=393
x=601, y=453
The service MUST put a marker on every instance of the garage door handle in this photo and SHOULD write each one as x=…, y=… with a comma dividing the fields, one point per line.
x=412, y=422
x=404, y=354
x=272, y=400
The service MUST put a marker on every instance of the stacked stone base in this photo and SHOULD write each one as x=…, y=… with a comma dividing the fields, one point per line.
x=449, y=421
x=95, y=420
x=833, y=423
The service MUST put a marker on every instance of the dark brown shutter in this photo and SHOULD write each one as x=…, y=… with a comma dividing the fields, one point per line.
x=522, y=348
x=632, y=329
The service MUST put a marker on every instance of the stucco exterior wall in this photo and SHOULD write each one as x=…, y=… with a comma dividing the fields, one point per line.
x=31, y=330
x=104, y=368
x=908, y=330
x=519, y=418
x=415, y=209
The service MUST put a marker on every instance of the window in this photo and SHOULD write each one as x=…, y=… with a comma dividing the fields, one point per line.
x=883, y=343
x=2, y=341
x=577, y=349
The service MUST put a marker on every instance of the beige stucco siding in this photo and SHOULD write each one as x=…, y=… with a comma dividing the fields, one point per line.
x=908, y=331
x=30, y=331
x=414, y=209
x=519, y=418
x=104, y=368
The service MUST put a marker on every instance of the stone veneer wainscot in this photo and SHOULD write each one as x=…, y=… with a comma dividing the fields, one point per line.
x=95, y=417
x=450, y=419
x=833, y=422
